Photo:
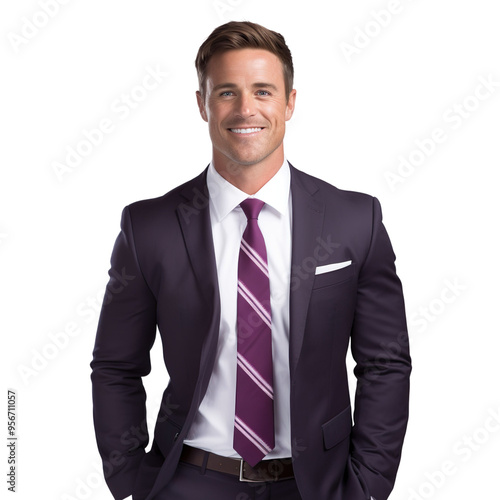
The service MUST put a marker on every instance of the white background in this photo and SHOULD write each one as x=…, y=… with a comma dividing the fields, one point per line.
x=356, y=116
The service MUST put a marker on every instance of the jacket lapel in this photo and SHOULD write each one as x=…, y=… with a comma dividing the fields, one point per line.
x=194, y=219
x=307, y=224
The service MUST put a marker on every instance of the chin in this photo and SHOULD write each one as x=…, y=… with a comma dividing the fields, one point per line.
x=248, y=162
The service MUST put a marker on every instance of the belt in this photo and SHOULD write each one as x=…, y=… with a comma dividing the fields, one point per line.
x=267, y=470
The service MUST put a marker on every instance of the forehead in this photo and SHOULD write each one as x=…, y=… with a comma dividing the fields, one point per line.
x=243, y=66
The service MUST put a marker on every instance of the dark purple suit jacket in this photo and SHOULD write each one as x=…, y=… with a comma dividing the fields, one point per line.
x=163, y=273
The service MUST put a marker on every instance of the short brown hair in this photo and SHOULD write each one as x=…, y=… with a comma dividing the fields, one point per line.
x=243, y=35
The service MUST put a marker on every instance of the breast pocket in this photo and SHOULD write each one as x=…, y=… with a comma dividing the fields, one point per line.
x=333, y=278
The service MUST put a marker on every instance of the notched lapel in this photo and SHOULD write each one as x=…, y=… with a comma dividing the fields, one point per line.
x=307, y=224
x=194, y=219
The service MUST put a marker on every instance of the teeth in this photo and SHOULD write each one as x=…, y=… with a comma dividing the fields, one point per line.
x=245, y=130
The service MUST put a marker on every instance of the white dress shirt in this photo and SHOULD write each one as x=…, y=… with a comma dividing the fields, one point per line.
x=213, y=427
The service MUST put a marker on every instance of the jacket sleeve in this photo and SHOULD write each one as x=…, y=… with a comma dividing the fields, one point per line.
x=125, y=335
x=380, y=349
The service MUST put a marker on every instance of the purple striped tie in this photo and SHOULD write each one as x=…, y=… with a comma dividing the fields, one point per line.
x=254, y=417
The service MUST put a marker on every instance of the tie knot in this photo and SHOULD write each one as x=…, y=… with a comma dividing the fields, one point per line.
x=252, y=207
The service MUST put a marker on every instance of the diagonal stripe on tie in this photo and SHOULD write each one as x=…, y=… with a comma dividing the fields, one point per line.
x=256, y=377
x=254, y=412
x=254, y=257
x=252, y=436
x=254, y=303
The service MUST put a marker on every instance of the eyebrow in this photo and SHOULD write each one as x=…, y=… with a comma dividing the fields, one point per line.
x=255, y=85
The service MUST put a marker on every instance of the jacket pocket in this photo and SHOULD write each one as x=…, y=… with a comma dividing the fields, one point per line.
x=334, y=277
x=337, y=429
x=166, y=433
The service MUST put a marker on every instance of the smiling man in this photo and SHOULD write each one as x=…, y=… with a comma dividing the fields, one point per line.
x=257, y=276
x=246, y=102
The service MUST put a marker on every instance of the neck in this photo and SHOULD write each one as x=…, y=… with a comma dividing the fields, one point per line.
x=248, y=178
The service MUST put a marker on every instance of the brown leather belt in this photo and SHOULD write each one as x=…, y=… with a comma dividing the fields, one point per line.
x=267, y=470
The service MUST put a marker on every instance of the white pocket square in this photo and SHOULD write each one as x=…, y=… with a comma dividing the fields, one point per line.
x=332, y=267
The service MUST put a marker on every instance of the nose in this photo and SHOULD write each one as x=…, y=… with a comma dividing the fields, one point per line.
x=245, y=105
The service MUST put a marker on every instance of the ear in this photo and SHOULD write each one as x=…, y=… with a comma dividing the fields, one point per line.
x=201, y=105
x=290, y=106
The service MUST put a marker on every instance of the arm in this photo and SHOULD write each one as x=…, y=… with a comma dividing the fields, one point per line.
x=125, y=335
x=380, y=349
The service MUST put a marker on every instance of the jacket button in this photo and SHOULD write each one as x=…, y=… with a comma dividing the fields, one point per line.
x=176, y=436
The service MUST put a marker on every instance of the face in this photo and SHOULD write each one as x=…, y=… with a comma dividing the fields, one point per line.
x=246, y=107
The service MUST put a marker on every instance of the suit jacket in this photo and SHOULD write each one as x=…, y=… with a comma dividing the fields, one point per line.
x=163, y=274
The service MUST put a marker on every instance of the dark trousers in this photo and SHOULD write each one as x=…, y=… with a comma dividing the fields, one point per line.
x=191, y=483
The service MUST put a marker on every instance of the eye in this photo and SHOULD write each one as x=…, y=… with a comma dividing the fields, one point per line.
x=263, y=92
x=226, y=93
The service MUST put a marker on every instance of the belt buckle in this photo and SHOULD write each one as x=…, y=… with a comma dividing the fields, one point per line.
x=244, y=479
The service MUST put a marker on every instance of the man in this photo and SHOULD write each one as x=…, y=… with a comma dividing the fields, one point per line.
x=257, y=276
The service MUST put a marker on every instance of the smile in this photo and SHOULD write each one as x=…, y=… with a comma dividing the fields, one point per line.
x=245, y=130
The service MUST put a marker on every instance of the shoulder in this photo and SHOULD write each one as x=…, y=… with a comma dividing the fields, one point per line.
x=332, y=196
x=166, y=205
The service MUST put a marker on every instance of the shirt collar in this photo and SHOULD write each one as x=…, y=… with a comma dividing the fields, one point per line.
x=225, y=197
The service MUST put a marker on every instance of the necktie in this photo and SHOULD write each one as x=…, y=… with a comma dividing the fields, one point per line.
x=254, y=416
